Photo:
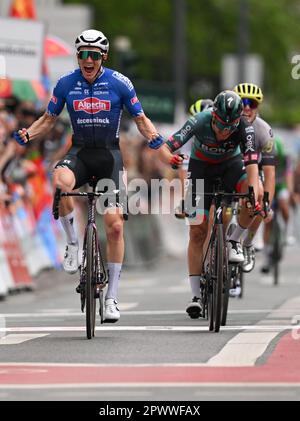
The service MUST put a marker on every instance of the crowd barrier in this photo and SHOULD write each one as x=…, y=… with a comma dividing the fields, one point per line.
x=24, y=253
x=28, y=247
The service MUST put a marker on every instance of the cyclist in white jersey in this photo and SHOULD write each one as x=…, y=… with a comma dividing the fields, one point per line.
x=252, y=97
x=95, y=97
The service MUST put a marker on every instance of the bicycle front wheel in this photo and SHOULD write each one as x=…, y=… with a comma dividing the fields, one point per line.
x=218, y=281
x=90, y=291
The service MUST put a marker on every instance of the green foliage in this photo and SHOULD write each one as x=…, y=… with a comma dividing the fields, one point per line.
x=212, y=31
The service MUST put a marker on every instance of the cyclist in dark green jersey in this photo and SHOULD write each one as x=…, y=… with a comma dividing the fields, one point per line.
x=197, y=107
x=219, y=136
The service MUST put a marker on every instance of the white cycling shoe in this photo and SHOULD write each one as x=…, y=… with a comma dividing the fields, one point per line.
x=112, y=313
x=249, y=263
x=70, y=263
x=235, y=252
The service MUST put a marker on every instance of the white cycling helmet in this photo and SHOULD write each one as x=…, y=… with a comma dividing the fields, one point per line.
x=92, y=38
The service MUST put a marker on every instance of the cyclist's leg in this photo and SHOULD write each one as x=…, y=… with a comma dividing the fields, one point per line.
x=234, y=179
x=249, y=250
x=69, y=173
x=114, y=228
x=198, y=220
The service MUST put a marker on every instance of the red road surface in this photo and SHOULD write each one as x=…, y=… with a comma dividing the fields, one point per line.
x=283, y=366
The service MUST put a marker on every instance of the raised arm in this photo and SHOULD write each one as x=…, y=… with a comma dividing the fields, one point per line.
x=38, y=129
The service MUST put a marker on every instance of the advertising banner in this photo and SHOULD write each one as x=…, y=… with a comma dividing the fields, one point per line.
x=21, y=48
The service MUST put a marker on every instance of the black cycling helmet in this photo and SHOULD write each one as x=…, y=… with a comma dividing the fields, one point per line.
x=228, y=106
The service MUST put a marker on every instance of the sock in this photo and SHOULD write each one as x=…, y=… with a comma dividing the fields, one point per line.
x=249, y=239
x=195, y=285
x=114, y=272
x=68, y=226
x=237, y=233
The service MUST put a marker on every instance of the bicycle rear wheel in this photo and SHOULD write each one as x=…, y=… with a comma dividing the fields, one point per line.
x=277, y=248
x=90, y=286
x=101, y=306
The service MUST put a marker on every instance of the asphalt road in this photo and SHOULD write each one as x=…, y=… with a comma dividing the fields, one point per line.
x=155, y=352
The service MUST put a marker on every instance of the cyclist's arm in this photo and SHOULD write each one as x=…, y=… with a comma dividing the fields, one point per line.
x=183, y=135
x=250, y=153
x=145, y=126
x=269, y=182
x=252, y=176
x=41, y=126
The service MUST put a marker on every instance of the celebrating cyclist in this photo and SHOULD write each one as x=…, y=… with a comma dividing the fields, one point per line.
x=218, y=134
x=95, y=97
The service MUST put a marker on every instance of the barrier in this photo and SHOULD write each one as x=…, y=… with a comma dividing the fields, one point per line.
x=13, y=253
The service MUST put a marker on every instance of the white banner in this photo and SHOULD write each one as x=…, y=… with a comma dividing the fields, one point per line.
x=254, y=70
x=21, y=46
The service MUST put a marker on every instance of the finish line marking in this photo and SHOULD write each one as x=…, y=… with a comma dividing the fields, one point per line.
x=270, y=328
x=73, y=313
x=147, y=385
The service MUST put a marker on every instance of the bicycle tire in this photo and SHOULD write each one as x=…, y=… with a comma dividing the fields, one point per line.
x=90, y=283
x=242, y=283
x=276, y=252
x=210, y=285
x=101, y=306
x=226, y=287
x=219, y=271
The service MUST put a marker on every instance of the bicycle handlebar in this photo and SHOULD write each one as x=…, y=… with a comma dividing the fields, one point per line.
x=58, y=194
x=249, y=195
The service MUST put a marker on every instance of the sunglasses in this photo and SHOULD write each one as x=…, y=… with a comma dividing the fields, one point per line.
x=250, y=102
x=224, y=126
x=95, y=55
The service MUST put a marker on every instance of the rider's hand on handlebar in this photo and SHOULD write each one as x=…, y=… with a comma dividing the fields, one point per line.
x=177, y=160
x=21, y=136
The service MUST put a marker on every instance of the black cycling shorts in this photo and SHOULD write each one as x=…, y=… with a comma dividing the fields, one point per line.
x=231, y=172
x=100, y=163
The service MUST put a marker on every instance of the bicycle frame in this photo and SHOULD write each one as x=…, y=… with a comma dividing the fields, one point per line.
x=215, y=290
x=93, y=274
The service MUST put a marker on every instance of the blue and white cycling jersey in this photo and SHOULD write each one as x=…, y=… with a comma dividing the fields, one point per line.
x=95, y=109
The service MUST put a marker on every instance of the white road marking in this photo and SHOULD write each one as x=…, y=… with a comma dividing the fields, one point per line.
x=244, y=349
x=74, y=313
x=149, y=328
x=19, y=338
x=147, y=385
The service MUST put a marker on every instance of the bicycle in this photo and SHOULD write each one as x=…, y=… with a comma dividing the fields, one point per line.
x=215, y=288
x=93, y=274
x=277, y=241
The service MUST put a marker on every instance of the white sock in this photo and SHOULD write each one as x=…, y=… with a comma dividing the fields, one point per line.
x=114, y=272
x=67, y=222
x=195, y=285
x=237, y=233
x=248, y=242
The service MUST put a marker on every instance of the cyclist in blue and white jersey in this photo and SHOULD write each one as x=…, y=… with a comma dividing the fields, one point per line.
x=95, y=97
